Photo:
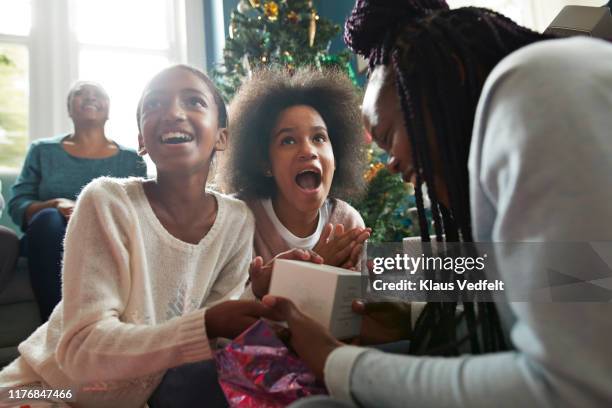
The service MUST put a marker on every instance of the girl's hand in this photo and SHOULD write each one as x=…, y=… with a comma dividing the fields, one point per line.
x=341, y=248
x=260, y=274
x=383, y=322
x=311, y=341
x=229, y=319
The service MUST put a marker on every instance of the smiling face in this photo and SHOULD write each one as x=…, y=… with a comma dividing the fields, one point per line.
x=88, y=103
x=179, y=122
x=384, y=120
x=301, y=158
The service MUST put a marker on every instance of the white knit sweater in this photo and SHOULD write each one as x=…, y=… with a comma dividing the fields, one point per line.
x=134, y=296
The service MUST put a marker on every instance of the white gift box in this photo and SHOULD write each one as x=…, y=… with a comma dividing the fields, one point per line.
x=323, y=292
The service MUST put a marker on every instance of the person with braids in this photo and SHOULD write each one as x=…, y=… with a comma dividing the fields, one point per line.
x=482, y=111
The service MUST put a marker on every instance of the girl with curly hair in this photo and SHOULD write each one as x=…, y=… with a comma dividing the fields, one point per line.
x=295, y=152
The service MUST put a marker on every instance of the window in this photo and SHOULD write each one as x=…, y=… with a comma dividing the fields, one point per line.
x=123, y=58
x=15, y=23
x=118, y=43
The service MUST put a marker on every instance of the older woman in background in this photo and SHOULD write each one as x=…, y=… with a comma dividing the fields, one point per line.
x=54, y=172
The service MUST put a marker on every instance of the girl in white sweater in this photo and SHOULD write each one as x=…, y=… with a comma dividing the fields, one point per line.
x=149, y=265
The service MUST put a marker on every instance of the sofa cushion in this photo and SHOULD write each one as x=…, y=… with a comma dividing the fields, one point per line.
x=8, y=354
x=18, y=289
x=19, y=320
x=8, y=179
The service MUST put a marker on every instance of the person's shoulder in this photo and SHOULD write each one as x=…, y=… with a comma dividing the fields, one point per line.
x=561, y=49
x=47, y=143
x=238, y=212
x=110, y=188
x=255, y=205
x=126, y=150
x=343, y=213
x=554, y=59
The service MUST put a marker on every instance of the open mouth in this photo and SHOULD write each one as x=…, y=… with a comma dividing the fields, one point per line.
x=308, y=180
x=176, y=138
x=89, y=106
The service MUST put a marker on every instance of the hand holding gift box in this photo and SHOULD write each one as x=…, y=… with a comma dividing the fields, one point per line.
x=323, y=292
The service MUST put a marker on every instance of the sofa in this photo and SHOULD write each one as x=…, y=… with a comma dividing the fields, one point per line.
x=19, y=315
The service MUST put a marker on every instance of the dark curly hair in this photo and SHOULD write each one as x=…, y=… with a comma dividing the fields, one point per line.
x=255, y=110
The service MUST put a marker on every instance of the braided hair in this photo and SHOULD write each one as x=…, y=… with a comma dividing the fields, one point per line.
x=440, y=59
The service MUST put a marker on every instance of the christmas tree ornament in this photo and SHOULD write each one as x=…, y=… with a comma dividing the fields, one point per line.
x=373, y=171
x=271, y=10
x=232, y=27
x=243, y=6
x=255, y=3
x=312, y=28
x=293, y=17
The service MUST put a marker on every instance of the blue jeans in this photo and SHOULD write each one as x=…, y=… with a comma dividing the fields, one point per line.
x=43, y=245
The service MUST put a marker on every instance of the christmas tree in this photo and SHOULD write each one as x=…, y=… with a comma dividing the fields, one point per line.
x=290, y=34
x=389, y=206
x=282, y=33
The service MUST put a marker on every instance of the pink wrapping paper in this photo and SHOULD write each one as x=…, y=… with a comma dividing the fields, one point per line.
x=257, y=370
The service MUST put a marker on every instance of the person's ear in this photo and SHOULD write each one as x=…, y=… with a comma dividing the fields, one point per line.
x=221, y=142
x=141, y=148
